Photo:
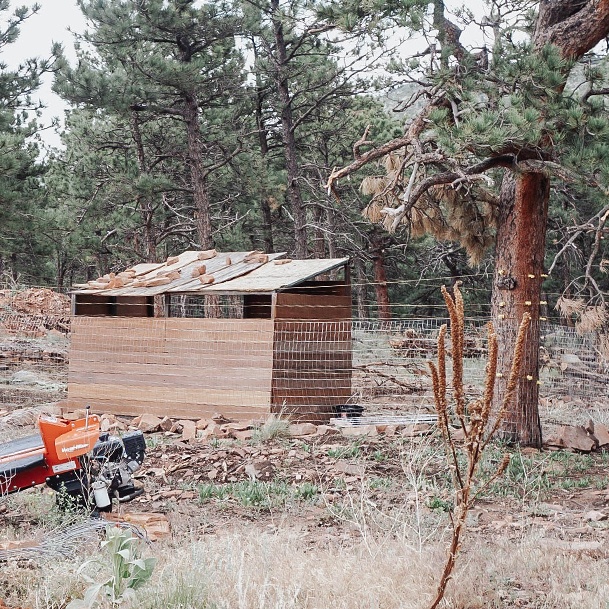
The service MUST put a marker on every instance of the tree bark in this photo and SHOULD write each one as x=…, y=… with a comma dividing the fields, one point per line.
x=360, y=289
x=574, y=27
x=380, y=278
x=319, y=241
x=145, y=204
x=294, y=194
x=198, y=175
x=265, y=207
x=519, y=269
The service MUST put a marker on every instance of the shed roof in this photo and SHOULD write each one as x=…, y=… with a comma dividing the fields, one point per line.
x=232, y=272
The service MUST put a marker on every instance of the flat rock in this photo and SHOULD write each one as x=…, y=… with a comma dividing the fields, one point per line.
x=573, y=437
x=595, y=516
x=189, y=430
x=245, y=434
x=213, y=430
x=302, y=429
x=202, y=424
x=359, y=430
x=601, y=433
x=351, y=469
x=156, y=525
x=327, y=431
x=237, y=426
x=166, y=424
x=149, y=423
x=417, y=429
x=220, y=419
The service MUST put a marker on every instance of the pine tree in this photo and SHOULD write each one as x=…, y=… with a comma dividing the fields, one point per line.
x=302, y=95
x=20, y=169
x=499, y=125
x=156, y=63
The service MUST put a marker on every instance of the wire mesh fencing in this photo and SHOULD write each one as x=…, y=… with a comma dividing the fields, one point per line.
x=245, y=364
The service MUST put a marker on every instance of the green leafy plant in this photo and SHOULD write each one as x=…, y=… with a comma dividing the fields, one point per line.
x=436, y=503
x=306, y=491
x=129, y=571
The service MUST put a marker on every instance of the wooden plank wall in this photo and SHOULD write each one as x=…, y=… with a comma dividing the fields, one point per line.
x=312, y=354
x=185, y=368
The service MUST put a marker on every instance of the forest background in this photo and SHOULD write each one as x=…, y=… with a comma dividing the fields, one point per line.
x=193, y=124
x=429, y=142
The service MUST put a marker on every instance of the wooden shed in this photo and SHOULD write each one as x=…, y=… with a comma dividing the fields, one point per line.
x=242, y=334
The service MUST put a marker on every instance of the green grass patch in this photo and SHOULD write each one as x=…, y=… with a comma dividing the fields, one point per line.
x=350, y=451
x=253, y=493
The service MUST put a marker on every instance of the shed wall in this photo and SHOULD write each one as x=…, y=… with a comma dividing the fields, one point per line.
x=312, y=353
x=184, y=368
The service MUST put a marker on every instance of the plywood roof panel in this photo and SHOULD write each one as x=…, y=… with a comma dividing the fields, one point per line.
x=231, y=273
x=272, y=277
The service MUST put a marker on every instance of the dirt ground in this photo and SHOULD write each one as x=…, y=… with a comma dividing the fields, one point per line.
x=337, y=491
x=350, y=519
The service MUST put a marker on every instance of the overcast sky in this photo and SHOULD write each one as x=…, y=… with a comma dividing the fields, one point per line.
x=37, y=36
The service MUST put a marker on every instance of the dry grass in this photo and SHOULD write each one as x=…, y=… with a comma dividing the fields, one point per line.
x=371, y=556
x=275, y=426
x=248, y=568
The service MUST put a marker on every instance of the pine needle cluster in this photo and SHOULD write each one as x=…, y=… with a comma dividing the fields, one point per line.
x=449, y=213
x=588, y=318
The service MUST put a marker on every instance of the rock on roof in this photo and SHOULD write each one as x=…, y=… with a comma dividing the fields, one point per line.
x=210, y=271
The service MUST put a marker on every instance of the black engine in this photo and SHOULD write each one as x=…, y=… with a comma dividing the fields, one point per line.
x=106, y=473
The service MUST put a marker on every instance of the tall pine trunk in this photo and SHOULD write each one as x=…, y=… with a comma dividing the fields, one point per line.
x=519, y=259
x=145, y=203
x=265, y=207
x=294, y=194
x=377, y=253
x=200, y=190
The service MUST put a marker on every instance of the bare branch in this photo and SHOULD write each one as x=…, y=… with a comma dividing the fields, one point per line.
x=415, y=128
x=363, y=141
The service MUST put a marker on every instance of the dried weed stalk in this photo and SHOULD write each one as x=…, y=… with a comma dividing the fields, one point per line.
x=477, y=421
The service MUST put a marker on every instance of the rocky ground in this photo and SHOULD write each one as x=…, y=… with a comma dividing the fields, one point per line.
x=339, y=485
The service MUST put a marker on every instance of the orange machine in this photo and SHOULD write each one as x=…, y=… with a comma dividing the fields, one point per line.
x=76, y=458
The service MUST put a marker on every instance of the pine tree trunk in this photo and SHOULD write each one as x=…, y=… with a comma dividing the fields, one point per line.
x=517, y=283
x=265, y=207
x=380, y=278
x=289, y=141
x=360, y=289
x=145, y=204
x=319, y=242
x=197, y=172
x=200, y=190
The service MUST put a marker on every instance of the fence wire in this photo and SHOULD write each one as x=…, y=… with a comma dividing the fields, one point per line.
x=250, y=366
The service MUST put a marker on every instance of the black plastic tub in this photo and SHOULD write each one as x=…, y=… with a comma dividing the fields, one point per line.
x=348, y=411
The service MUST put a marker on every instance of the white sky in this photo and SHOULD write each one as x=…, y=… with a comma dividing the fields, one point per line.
x=37, y=36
